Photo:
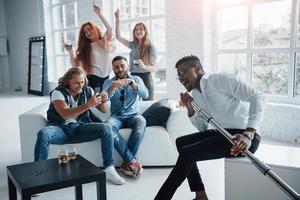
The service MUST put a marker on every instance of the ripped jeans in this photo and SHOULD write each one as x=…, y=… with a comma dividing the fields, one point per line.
x=138, y=124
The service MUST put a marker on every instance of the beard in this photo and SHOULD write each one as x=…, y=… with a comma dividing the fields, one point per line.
x=122, y=75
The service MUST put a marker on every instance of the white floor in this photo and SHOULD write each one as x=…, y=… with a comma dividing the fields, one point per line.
x=143, y=188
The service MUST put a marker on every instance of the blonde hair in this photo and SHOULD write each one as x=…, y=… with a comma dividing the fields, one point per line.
x=64, y=81
x=145, y=45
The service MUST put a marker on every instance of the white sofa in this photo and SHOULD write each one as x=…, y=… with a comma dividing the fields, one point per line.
x=157, y=147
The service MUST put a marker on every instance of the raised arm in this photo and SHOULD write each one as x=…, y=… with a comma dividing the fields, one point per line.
x=99, y=11
x=124, y=41
x=69, y=49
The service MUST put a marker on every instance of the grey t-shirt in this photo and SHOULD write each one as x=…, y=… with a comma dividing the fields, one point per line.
x=135, y=55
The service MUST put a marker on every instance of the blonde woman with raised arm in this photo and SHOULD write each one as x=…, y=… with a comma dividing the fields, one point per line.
x=142, y=57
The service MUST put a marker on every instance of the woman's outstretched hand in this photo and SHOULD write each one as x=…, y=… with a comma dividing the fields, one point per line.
x=97, y=9
x=68, y=47
x=117, y=13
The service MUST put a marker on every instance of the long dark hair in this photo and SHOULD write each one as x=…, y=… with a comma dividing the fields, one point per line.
x=145, y=45
x=83, y=52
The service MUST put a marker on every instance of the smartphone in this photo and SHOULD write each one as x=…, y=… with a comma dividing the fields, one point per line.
x=97, y=90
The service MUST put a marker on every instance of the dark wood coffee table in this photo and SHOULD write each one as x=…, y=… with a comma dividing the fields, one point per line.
x=47, y=175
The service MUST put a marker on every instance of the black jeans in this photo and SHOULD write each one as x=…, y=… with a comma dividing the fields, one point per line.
x=148, y=81
x=96, y=82
x=195, y=147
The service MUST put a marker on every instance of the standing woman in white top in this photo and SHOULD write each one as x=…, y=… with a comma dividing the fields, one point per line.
x=142, y=57
x=93, y=52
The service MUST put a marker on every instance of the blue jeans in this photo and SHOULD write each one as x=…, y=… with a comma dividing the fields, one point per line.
x=75, y=133
x=138, y=124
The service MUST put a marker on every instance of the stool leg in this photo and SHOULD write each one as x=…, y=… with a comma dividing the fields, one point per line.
x=78, y=192
x=12, y=191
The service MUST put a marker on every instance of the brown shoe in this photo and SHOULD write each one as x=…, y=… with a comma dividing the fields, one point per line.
x=137, y=168
x=126, y=169
x=133, y=169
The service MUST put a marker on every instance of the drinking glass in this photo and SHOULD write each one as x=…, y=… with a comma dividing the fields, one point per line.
x=62, y=155
x=71, y=152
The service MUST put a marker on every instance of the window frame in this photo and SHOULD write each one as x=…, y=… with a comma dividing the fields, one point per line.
x=53, y=73
x=131, y=20
x=292, y=49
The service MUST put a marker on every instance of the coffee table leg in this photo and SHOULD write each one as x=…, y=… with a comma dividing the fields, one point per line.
x=78, y=192
x=12, y=191
x=101, y=189
x=26, y=197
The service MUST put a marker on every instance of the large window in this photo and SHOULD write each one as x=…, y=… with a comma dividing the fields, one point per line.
x=152, y=13
x=263, y=49
x=66, y=17
x=64, y=29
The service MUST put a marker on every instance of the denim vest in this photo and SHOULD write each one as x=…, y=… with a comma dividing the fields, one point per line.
x=54, y=117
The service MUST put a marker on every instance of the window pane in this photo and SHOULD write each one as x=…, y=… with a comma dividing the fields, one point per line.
x=233, y=64
x=298, y=26
x=232, y=27
x=58, y=42
x=69, y=15
x=56, y=1
x=272, y=29
x=62, y=65
x=226, y=2
x=124, y=7
x=297, y=75
x=158, y=35
x=58, y=17
x=160, y=74
x=140, y=8
x=270, y=73
x=158, y=7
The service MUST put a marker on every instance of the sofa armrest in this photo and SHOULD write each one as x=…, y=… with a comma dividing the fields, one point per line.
x=30, y=123
x=179, y=124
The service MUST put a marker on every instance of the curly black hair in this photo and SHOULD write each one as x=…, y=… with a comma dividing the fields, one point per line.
x=191, y=59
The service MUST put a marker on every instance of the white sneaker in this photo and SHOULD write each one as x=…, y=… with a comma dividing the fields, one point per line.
x=113, y=176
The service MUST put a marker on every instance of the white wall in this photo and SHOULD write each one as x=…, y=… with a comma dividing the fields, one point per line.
x=185, y=35
x=24, y=19
x=4, y=63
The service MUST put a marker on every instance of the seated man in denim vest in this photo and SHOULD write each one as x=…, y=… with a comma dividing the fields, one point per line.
x=124, y=92
x=68, y=116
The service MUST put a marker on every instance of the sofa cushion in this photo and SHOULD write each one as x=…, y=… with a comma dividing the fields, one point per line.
x=158, y=113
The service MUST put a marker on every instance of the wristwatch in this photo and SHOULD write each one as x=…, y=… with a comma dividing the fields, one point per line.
x=249, y=134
